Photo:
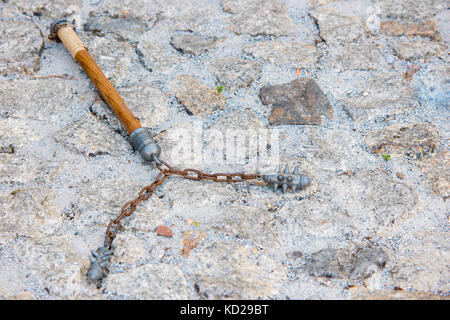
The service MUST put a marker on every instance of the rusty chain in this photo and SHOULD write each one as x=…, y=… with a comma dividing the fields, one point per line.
x=165, y=171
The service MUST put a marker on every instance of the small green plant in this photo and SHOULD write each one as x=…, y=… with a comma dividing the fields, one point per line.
x=220, y=88
x=386, y=157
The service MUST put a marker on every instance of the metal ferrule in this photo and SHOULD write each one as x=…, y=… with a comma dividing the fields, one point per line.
x=142, y=140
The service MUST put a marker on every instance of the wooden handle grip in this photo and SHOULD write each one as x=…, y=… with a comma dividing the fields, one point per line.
x=76, y=48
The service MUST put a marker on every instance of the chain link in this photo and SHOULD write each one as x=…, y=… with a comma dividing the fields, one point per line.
x=165, y=171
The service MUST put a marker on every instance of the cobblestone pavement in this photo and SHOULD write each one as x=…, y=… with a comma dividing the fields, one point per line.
x=357, y=93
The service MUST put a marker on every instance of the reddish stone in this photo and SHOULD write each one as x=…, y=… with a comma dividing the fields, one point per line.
x=164, y=231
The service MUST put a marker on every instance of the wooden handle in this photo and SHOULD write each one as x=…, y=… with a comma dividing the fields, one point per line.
x=78, y=51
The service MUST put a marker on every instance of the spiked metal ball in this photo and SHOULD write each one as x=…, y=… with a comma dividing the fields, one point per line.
x=99, y=264
x=284, y=180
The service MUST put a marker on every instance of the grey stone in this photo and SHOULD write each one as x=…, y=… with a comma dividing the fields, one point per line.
x=155, y=59
x=250, y=224
x=233, y=72
x=423, y=261
x=112, y=56
x=147, y=104
x=129, y=249
x=418, y=49
x=438, y=173
x=28, y=212
x=20, y=47
x=127, y=27
x=356, y=264
x=195, y=16
x=443, y=24
x=432, y=86
x=293, y=54
x=297, y=102
x=377, y=203
x=41, y=9
x=118, y=9
x=230, y=271
x=47, y=99
x=197, y=98
x=409, y=9
x=261, y=17
x=341, y=22
x=16, y=133
x=374, y=94
x=91, y=138
x=413, y=140
x=150, y=281
x=359, y=56
x=194, y=43
x=58, y=264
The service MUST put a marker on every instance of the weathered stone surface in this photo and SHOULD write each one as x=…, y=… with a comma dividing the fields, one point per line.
x=250, y=224
x=374, y=94
x=15, y=133
x=112, y=56
x=35, y=99
x=186, y=16
x=28, y=212
x=359, y=56
x=228, y=240
x=234, y=72
x=340, y=22
x=123, y=9
x=41, y=9
x=241, y=125
x=88, y=136
x=364, y=294
x=443, y=24
x=155, y=58
x=432, y=86
x=363, y=201
x=426, y=28
x=293, y=54
x=194, y=43
x=418, y=49
x=198, y=205
x=150, y=281
x=190, y=240
x=128, y=27
x=422, y=257
x=438, y=173
x=18, y=169
x=148, y=104
x=197, y=98
x=129, y=249
x=356, y=263
x=261, y=17
x=229, y=271
x=413, y=140
x=20, y=47
x=319, y=3
x=297, y=102
x=58, y=264
x=409, y=9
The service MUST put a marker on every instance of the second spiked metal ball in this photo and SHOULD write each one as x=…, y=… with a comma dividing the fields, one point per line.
x=285, y=180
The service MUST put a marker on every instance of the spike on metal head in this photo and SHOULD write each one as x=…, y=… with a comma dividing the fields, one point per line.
x=295, y=181
x=99, y=264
